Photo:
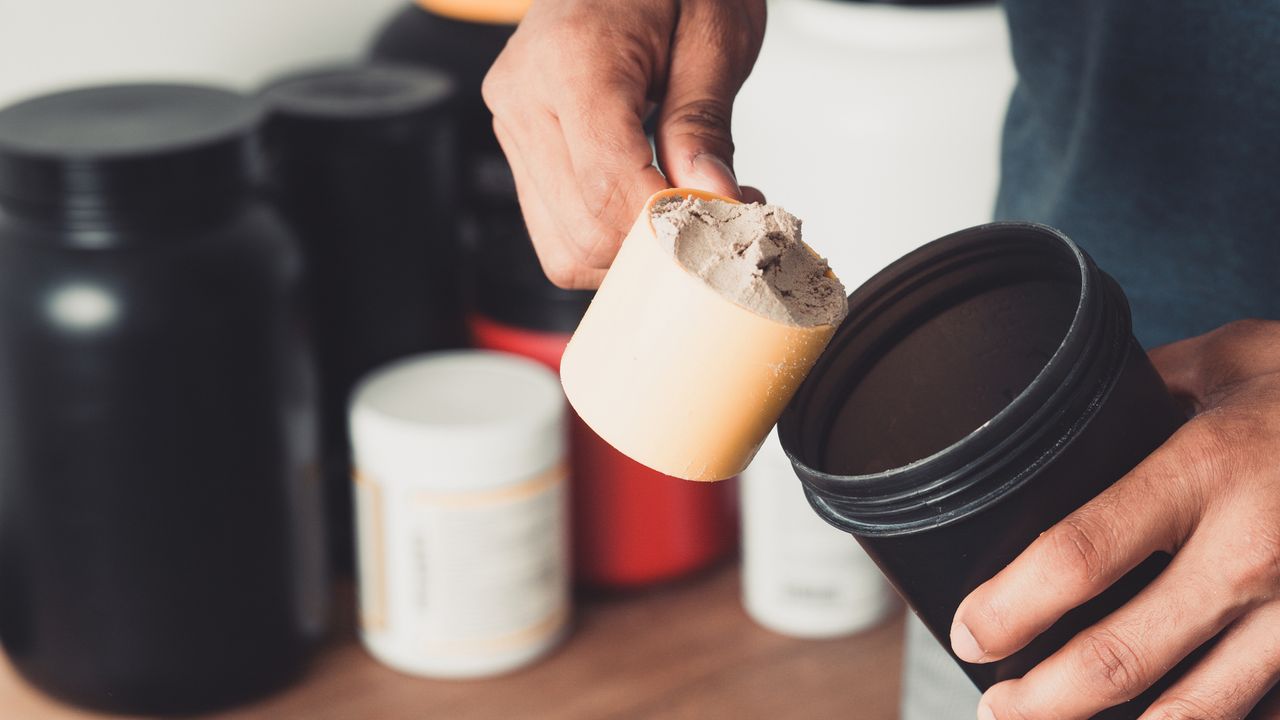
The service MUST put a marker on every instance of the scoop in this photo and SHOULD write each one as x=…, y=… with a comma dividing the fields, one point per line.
x=712, y=314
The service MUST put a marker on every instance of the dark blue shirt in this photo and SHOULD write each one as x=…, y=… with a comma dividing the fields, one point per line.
x=1149, y=132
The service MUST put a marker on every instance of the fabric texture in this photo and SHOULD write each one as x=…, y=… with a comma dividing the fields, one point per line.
x=1149, y=132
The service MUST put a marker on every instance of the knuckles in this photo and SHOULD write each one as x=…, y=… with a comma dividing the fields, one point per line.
x=494, y=89
x=1076, y=550
x=1113, y=664
x=704, y=118
x=1254, y=575
x=1250, y=330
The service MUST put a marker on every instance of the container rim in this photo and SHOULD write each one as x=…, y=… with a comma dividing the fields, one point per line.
x=1003, y=452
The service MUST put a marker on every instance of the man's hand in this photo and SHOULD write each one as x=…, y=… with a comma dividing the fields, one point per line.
x=1210, y=496
x=569, y=96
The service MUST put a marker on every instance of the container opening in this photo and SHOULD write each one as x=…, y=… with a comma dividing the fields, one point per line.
x=941, y=349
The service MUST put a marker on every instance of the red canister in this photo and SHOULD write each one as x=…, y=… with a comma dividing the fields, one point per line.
x=631, y=525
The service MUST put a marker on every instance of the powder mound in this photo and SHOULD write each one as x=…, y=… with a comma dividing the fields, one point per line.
x=751, y=255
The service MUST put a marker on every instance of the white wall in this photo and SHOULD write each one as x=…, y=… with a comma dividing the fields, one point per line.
x=53, y=44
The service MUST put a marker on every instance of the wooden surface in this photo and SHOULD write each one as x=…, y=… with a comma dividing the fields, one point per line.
x=681, y=651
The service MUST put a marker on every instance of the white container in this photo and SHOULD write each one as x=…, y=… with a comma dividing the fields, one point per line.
x=800, y=576
x=461, y=518
x=879, y=125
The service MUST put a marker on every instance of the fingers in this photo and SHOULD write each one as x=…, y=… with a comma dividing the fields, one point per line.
x=568, y=94
x=714, y=46
x=612, y=166
x=584, y=198
x=1078, y=558
x=1232, y=678
x=1126, y=653
x=558, y=261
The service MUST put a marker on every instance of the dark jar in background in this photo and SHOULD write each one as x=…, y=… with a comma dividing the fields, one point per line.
x=361, y=162
x=631, y=526
x=462, y=38
x=980, y=389
x=160, y=538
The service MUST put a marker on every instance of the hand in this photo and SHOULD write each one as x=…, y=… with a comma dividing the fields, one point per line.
x=1211, y=497
x=570, y=94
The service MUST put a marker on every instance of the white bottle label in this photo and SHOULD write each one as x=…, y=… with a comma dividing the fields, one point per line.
x=458, y=580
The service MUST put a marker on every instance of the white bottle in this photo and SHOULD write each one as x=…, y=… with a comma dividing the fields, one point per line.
x=800, y=576
x=879, y=125
x=461, y=518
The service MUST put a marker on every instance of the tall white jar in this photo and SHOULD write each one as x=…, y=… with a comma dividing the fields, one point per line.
x=461, y=518
x=879, y=125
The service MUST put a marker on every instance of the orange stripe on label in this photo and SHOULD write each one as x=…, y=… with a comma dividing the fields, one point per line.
x=372, y=555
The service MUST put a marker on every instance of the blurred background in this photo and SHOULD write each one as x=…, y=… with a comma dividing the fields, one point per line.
x=281, y=432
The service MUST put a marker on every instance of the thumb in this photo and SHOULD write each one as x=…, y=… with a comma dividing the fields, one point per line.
x=712, y=53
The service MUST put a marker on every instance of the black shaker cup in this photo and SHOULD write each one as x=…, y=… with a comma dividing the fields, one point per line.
x=160, y=537
x=980, y=389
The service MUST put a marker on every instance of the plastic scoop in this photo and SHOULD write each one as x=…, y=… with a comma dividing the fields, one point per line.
x=673, y=373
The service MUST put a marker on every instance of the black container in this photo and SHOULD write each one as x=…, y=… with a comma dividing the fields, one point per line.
x=361, y=161
x=160, y=546
x=510, y=288
x=981, y=388
x=463, y=45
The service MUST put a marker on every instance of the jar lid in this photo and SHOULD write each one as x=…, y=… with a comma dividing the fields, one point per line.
x=370, y=98
x=459, y=420
x=118, y=150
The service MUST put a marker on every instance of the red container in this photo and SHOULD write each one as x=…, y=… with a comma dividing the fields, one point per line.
x=631, y=525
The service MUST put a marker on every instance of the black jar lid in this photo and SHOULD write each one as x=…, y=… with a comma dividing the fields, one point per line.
x=365, y=100
x=509, y=284
x=126, y=153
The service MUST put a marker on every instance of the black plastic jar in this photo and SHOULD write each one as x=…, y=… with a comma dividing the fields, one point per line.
x=160, y=537
x=980, y=389
x=462, y=38
x=362, y=163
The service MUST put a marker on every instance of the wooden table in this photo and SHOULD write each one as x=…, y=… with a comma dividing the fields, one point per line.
x=681, y=651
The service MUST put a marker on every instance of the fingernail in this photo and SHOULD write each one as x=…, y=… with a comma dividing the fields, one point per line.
x=716, y=174
x=984, y=712
x=964, y=645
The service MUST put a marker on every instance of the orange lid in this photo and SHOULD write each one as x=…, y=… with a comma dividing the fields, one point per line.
x=493, y=12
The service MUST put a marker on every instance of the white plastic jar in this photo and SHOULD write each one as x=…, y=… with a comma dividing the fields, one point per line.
x=461, y=518
x=800, y=576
